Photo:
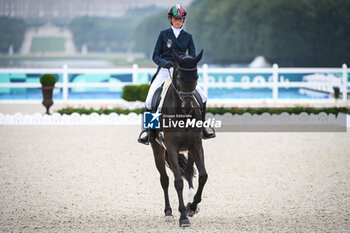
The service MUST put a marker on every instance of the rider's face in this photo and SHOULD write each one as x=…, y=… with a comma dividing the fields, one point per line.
x=177, y=23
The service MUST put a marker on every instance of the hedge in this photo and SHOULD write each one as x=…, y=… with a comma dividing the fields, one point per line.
x=220, y=111
x=290, y=110
x=88, y=111
x=143, y=91
x=135, y=92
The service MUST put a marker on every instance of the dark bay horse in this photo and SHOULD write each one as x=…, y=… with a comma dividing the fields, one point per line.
x=168, y=146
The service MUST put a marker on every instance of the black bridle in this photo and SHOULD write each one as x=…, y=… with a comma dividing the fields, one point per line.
x=183, y=94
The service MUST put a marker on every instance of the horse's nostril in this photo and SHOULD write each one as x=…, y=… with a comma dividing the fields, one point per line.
x=186, y=110
x=186, y=106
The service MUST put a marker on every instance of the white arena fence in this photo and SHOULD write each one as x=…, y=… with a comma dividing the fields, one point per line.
x=267, y=120
x=274, y=81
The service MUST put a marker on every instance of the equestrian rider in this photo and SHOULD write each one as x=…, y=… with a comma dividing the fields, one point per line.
x=181, y=41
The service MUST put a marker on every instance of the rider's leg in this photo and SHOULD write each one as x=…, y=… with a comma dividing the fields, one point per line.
x=149, y=137
x=201, y=93
x=161, y=77
x=206, y=134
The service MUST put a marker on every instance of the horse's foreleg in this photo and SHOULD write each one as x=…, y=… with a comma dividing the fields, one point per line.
x=202, y=179
x=174, y=165
x=159, y=157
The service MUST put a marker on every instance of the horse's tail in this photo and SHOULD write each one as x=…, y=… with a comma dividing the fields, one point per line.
x=182, y=164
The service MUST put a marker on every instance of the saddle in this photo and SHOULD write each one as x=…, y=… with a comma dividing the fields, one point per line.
x=161, y=92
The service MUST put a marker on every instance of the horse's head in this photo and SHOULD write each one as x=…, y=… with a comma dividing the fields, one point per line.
x=185, y=78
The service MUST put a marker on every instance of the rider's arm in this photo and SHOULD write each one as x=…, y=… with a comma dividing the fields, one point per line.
x=158, y=51
x=191, y=47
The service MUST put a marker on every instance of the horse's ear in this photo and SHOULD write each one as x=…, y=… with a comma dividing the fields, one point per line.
x=177, y=57
x=198, y=57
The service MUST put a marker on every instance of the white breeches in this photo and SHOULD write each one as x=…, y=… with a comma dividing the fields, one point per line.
x=161, y=77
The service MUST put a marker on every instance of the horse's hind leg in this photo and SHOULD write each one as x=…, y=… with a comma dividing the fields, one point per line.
x=189, y=175
x=202, y=179
x=159, y=157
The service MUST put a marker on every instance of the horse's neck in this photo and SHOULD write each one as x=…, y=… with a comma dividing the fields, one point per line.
x=173, y=80
x=172, y=102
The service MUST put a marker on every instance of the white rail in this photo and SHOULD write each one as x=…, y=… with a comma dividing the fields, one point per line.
x=274, y=82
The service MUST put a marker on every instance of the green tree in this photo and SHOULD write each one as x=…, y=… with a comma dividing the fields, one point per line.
x=12, y=33
x=148, y=30
x=290, y=33
x=100, y=34
x=115, y=34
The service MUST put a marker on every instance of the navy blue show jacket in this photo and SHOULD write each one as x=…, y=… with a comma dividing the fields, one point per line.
x=167, y=40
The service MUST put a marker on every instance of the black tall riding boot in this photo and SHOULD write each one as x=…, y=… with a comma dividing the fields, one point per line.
x=150, y=136
x=206, y=134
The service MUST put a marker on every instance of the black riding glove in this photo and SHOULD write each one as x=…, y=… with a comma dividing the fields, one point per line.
x=168, y=64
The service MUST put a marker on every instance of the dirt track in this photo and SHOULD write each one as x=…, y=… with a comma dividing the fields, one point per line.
x=98, y=179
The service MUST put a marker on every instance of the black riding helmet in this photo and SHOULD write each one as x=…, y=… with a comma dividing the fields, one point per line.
x=177, y=11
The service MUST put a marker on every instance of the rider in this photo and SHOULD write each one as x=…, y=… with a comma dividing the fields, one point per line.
x=181, y=41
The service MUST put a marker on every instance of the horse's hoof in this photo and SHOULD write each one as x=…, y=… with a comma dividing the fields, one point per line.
x=169, y=218
x=191, y=213
x=185, y=222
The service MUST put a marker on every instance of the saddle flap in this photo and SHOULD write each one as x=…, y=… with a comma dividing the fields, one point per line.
x=199, y=99
x=160, y=94
x=156, y=98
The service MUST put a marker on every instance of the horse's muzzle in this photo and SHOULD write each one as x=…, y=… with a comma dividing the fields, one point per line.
x=186, y=105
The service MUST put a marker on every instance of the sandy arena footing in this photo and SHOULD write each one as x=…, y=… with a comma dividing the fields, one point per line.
x=99, y=179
